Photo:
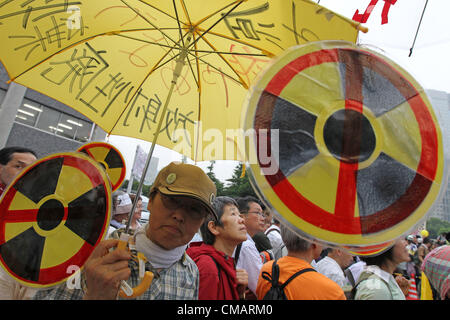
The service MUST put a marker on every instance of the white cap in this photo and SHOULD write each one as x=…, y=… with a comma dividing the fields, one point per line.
x=124, y=204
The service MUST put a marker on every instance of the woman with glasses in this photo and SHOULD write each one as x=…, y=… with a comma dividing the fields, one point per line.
x=247, y=255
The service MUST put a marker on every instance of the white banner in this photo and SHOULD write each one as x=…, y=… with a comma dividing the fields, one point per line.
x=139, y=165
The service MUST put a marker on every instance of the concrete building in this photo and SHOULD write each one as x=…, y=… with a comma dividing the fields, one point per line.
x=441, y=104
x=33, y=120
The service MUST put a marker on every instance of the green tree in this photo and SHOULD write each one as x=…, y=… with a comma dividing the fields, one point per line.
x=239, y=187
x=145, y=187
x=219, y=184
x=436, y=226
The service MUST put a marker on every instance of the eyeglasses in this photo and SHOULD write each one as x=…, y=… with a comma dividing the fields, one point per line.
x=192, y=206
x=255, y=212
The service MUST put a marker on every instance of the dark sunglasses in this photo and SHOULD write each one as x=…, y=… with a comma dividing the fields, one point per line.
x=192, y=206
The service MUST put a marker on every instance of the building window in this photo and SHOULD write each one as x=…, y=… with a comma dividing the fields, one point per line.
x=36, y=115
x=83, y=130
x=48, y=120
x=74, y=128
x=64, y=128
x=28, y=113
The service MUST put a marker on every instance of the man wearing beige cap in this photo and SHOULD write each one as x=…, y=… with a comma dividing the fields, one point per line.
x=179, y=201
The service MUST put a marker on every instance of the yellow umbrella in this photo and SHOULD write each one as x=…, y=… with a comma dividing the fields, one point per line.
x=121, y=62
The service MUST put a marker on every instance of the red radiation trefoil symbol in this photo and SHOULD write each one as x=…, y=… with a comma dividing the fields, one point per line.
x=362, y=18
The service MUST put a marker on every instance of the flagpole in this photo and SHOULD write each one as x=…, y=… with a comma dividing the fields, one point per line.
x=417, y=31
x=130, y=182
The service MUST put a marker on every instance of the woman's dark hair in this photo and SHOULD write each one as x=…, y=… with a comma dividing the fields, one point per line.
x=219, y=205
x=262, y=242
x=380, y=259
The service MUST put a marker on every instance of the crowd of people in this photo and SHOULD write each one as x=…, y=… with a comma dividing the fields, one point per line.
x=240, y=251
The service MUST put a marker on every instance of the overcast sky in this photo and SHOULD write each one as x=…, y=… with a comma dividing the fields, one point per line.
x=429, y=63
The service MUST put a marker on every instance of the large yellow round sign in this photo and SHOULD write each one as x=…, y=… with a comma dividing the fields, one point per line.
x=51, y=218
x=355, y=152
x=110, y=158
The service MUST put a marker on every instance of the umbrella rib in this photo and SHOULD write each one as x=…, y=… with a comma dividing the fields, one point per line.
x=215, y=23
x=151, y=42
x=150, y=23
x=233, y=53
x=154, y=43
x=217, y=69
x=178, y=22
x=190, y=52
x=241, y=81
x=199, y=86
x=197, y=59
x=202, y=51
x=197, y=79
x=265, y=52
x=157, y=9
x=217, y=11
x=186, y=13
x=201, y=36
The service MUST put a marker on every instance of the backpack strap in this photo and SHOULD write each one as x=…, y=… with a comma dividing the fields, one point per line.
x=237, y=252
x=217, y=265
x=273, y=229
x=296, y=275
x=350, y=277
x=273, y=278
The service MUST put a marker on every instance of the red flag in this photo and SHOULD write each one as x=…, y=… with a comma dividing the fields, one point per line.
x=385, y=12
x=362, y=18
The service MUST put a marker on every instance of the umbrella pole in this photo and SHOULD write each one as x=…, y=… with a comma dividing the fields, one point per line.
x=176, y=74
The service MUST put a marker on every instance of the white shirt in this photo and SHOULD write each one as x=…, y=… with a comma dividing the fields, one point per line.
x=331, y=269
x=386, y=276
x=250, y=261
x=275, y=240
x=356, y=269
x=10, y=289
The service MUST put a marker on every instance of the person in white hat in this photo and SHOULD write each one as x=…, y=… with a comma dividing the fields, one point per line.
x=120, y=211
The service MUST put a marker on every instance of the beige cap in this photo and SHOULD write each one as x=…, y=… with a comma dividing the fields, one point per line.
x=181, y=179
